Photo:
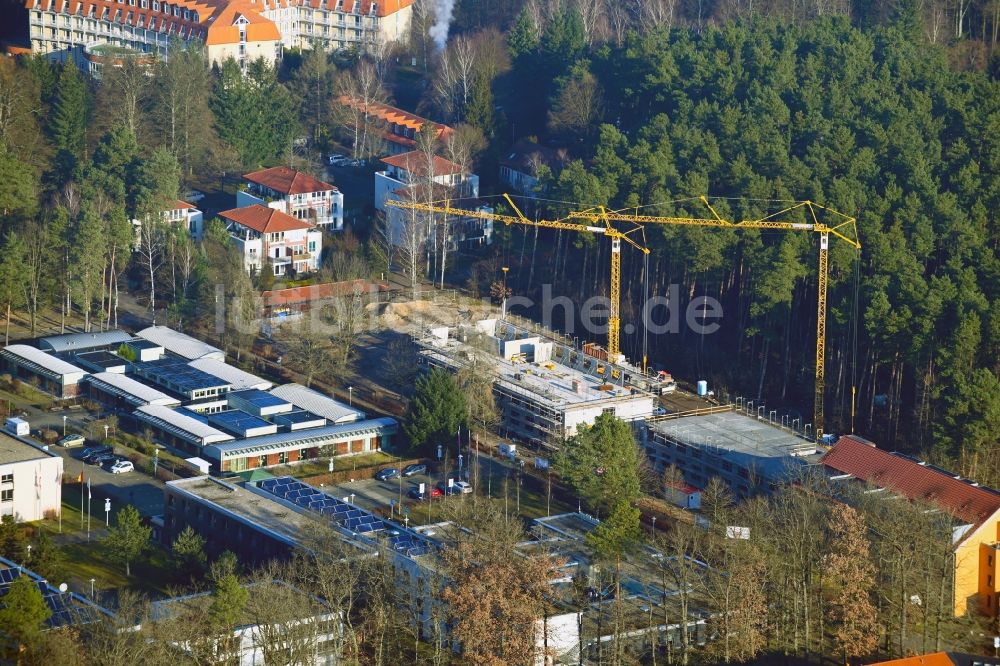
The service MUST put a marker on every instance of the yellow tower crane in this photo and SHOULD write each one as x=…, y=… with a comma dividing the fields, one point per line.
x=601, y=221
x=842, y=226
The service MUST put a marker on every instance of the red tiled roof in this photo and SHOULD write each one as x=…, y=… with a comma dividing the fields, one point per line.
x=391, y=114
x=264, y=220
x=851, y=455
x=416, y=163
x=317, y=292
x=288, y=181
x=181, y=205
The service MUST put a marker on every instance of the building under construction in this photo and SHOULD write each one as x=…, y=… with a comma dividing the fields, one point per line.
x=748, y=453
x=545, y=388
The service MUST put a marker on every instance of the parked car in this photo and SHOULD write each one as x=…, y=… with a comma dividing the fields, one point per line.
x=98, y=456
x=413, y=470
x=462, y=488
x=660, y=411
x=121, y=467
x=337, y=158
x=455, y=489
x=387, y=474
x=69, y=441
x=91, y=450
x=414, y=493
x=105, y=460
x=193, y=196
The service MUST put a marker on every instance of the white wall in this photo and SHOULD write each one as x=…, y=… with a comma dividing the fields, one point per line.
x=627, y=409
x=37, y=488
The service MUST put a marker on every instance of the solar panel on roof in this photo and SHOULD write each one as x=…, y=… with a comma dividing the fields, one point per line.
x=7, y=575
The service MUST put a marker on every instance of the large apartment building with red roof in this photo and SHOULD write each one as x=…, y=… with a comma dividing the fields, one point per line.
x=79, y=30
x=295, y=193
x=974, y=509
x=268, y=236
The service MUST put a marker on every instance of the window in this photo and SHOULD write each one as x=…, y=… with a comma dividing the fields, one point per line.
x=262, y=461
x=283, y=457
x=7, y=495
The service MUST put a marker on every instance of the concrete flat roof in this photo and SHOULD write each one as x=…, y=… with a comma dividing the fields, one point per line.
x=13, y=450
x=735, y=436
x=549, y=382
x=251, y=507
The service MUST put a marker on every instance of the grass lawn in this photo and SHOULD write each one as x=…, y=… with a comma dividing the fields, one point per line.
x=83, y=559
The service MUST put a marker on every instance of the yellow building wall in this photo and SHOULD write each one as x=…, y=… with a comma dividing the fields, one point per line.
x=975, y=578
x=218, y=53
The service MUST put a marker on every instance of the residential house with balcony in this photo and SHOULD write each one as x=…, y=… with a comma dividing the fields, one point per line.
x=294, y=193
x=415, y=168
x=267, y=236
x=413, y=176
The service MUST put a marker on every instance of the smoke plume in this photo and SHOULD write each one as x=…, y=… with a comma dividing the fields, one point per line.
x=442, y=21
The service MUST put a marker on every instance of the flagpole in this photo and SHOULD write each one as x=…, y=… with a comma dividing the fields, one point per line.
x=89, y=497
x=81, y=500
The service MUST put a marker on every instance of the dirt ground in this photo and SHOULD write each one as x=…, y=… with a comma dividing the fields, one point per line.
x=416, y=317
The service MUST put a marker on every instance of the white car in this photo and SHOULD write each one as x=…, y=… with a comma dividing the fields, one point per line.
x=122, y=466
x=193, y=196
x=337, y=158
x=69, y=441
x=461, y=488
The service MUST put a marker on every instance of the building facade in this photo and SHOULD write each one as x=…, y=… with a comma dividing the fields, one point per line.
x=975, y=511
x=92, y=33
x=294, y=193
x=30, y=480
x=268, y=236
x=399, y=128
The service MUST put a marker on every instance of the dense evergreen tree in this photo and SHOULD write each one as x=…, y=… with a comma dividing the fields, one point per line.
x=436, y=411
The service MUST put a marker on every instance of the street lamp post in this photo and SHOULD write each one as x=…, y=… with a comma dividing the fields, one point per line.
x=29, y=553
x=350, y=396
x=156, y=461
x=107, y=512
x=64, y=425
x=92, y=580
x=106, y=432
x=503, y=302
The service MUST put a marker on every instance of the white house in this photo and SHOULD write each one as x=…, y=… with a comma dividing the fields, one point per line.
x=260, y=233
x=294, y=193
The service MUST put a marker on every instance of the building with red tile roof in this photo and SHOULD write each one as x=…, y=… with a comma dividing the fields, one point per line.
x=241, y=29
x=295, y=193
x=976, y=510
x=266, y=236
x=399, y=128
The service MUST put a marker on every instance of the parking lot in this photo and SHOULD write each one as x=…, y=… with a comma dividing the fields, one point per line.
x=373, y=494
x=136, y=488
